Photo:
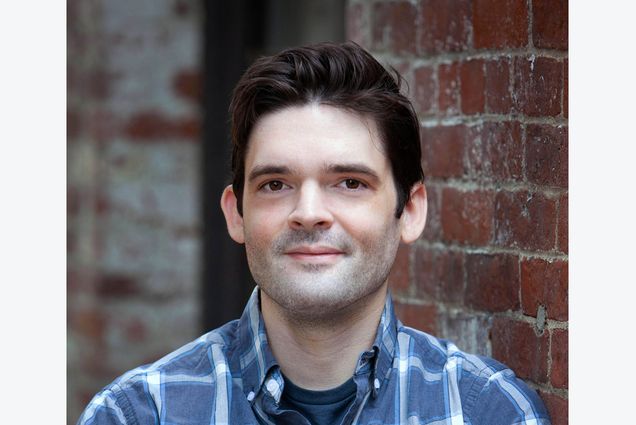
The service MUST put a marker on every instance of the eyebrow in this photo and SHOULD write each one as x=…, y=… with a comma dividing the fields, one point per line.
x=267, y=169
x=354, y=168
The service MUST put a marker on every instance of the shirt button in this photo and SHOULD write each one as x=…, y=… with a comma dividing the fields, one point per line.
x=271, y=386
x=250, y=396
x=376, y=383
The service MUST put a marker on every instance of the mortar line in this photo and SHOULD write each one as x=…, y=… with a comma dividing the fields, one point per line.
x=470, y=249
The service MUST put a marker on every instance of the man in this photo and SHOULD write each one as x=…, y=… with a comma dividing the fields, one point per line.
x=326, y=183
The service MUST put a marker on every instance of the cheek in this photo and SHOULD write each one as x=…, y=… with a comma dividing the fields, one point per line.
x=262, y=225
x=371, y=230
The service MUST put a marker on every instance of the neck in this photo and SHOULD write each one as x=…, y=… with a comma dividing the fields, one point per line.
x=320, y=355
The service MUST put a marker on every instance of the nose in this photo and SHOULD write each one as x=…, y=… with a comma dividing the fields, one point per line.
x=310, y=210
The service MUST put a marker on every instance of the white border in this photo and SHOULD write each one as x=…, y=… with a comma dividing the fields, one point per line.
x=33, y=212
x=602, y=211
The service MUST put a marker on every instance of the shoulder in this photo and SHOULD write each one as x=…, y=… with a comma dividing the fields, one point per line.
x=489, y=390
x=439, y=353
x=138, y=395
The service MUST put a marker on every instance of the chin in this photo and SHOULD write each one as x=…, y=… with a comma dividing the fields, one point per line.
x=316, y=300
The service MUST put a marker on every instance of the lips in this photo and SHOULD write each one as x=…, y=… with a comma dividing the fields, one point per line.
x=315, y=253
x=314, y=250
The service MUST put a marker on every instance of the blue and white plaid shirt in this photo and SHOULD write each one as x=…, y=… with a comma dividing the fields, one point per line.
x=230, y=376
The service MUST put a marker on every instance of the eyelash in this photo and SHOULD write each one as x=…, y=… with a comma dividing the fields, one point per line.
x=342, y=183
x=266, y=186
x=360, y=184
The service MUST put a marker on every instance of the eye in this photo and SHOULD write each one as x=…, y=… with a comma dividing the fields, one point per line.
x=353, y=184
x=273, y=186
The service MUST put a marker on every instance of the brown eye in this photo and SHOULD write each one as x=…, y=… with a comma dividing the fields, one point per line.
x=352, y=184
x=275, y=185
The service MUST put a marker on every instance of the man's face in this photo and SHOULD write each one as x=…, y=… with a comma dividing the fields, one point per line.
x=318, y=209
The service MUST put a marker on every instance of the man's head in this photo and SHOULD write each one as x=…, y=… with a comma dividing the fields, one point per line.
x=327, y=175
x=340, y=75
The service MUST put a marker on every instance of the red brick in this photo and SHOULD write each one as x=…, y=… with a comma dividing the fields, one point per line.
x=472, y=86
x=116, y=285
x=445, y=25
x=545, y=283
x=547, y=155
x=443, y=150
x=399, y=276
x=151, y=125
x=492, y=282
x=470, y=332
x=500, y=23
x=433, y=229
x=559, y=356
x=405, y=68
x=402, y=28
x=538, y=83
x=562, y=236
x=565, y=88
x=79, y=280
x=550, y=24
x=439, y=275
x=88, y=322
x=103, y=125
x=557, y=407
x=424, y=98
x=467, y=216
x=187, y=85
x=357, y=27
x=516, y=344
x=422, y=317
x=498, y=99
x=380, y=23
x=495, y=151
x=525, y=220
x=396, y=21
x=448, y=81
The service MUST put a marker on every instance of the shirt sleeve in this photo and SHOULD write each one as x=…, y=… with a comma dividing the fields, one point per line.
x=506, y=400
x=125, y=404
x=104, y=409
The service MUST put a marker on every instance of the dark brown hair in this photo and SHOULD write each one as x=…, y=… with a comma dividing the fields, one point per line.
x=341, y=75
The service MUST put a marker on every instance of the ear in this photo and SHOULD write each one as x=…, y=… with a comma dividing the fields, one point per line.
x=232, y=217
x=414, y=215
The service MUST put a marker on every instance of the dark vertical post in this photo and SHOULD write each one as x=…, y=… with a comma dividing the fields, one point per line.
x=229, y=31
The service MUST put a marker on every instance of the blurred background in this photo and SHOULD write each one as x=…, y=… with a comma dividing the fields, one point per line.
x=150, y=265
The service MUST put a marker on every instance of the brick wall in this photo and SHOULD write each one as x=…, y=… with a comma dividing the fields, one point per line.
x=489, y=82
x=133, y=186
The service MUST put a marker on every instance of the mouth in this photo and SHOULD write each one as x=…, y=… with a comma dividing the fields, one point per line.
x=315, y=254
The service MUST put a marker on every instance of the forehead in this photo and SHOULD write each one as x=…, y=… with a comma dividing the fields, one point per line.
x=315, y=132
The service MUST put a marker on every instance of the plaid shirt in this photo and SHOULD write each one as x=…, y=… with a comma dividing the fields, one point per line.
x=230, y=376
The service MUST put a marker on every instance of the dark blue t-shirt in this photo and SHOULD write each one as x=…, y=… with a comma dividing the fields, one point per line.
x=319, y=407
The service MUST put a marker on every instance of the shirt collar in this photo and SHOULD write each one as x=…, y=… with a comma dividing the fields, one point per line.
x=258, y=362
x=385, y=342
x=255, y=355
